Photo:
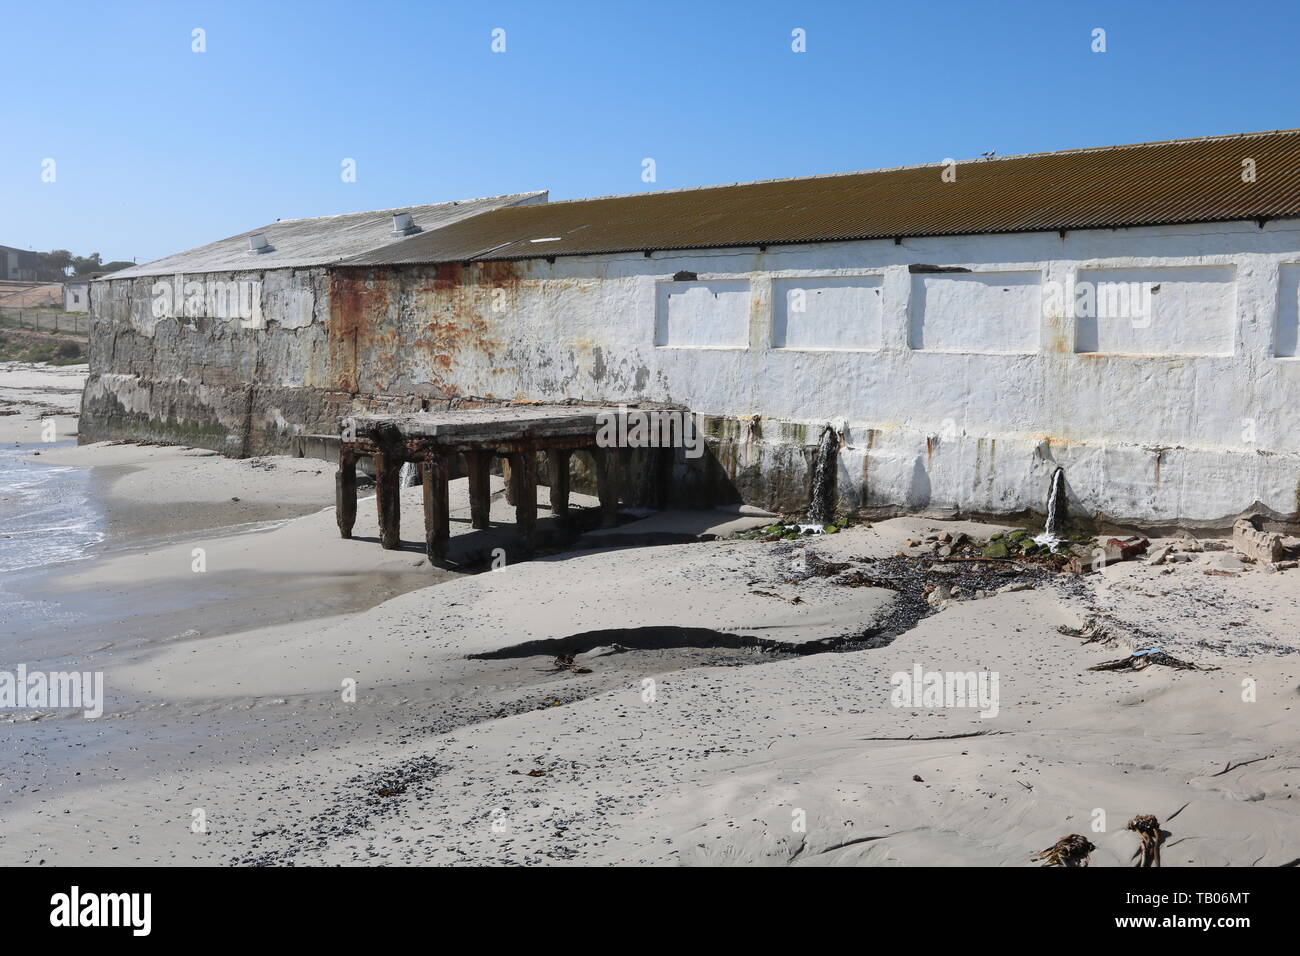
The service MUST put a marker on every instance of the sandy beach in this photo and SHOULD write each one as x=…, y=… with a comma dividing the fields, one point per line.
x=308, y=700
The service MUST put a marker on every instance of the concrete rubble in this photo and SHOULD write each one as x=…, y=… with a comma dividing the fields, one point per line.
x=1258, y=545
x=1113, y=551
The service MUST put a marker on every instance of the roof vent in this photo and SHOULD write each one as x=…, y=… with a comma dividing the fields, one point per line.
x=404, y=225
x=257, y=244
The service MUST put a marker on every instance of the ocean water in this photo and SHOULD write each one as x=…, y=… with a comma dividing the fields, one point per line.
x=48, y=517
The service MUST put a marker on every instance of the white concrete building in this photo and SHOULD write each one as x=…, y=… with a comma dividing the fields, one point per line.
x=1127, y=314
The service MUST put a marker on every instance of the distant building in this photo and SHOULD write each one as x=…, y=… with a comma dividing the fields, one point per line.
x=20, y=265
x=76, y=294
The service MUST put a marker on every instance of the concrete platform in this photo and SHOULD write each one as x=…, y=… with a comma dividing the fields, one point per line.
x=516, y=434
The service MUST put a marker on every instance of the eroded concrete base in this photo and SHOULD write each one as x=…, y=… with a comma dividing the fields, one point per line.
x=881, y=470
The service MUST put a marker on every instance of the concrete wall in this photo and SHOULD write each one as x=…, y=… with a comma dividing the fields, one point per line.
x=958, y=374
x=193, y=376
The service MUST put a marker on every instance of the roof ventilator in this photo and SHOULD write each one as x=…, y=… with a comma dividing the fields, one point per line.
x=404, y=225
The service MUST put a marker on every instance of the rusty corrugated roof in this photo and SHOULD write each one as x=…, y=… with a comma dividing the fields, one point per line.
x=1145, y=184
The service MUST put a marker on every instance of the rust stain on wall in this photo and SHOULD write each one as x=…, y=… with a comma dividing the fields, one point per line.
x=358, y=301
x=402, y=328
x=1058, y=336
x=456, y=311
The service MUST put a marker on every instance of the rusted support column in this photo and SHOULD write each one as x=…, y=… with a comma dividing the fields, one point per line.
x=523, y=467
x=345, y=493
x=557, y=464
x=607, y=484
x=437, y=508
x=388, y=472
x=507, y=472
x=480, y=489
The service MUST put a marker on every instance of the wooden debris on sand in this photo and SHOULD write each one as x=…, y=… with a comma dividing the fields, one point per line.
x=1093, y=632
x=1141, y=660
x=565, y=662
x=1148, y=828
x=1070, y=850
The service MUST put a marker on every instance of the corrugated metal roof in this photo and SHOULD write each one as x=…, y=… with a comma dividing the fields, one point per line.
x=1145, y=184
x=297, y=243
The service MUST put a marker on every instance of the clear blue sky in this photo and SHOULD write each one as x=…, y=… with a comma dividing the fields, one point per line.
x=159, y=148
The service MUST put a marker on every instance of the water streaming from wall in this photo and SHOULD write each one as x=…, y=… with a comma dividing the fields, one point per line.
x=821, y=501
x=1055, y=510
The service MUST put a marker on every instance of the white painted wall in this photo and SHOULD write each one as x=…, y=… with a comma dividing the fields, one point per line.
x=1190, y=418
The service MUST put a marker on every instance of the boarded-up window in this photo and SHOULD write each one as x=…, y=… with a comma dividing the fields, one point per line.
x=1164, y=310
x=975, y=311
x=706, y=314
x=840, y=312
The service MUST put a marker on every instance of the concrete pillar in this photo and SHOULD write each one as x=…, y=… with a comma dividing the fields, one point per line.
x=523, y=467
x=608, y=484
x=388, y=472
x=760, y=317
x=437, y=508
x=557, y=465
x=896, y=293
x=345, y=493
x=479, y=464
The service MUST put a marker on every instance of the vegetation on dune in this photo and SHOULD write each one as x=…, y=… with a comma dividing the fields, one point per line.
x=40, y=348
